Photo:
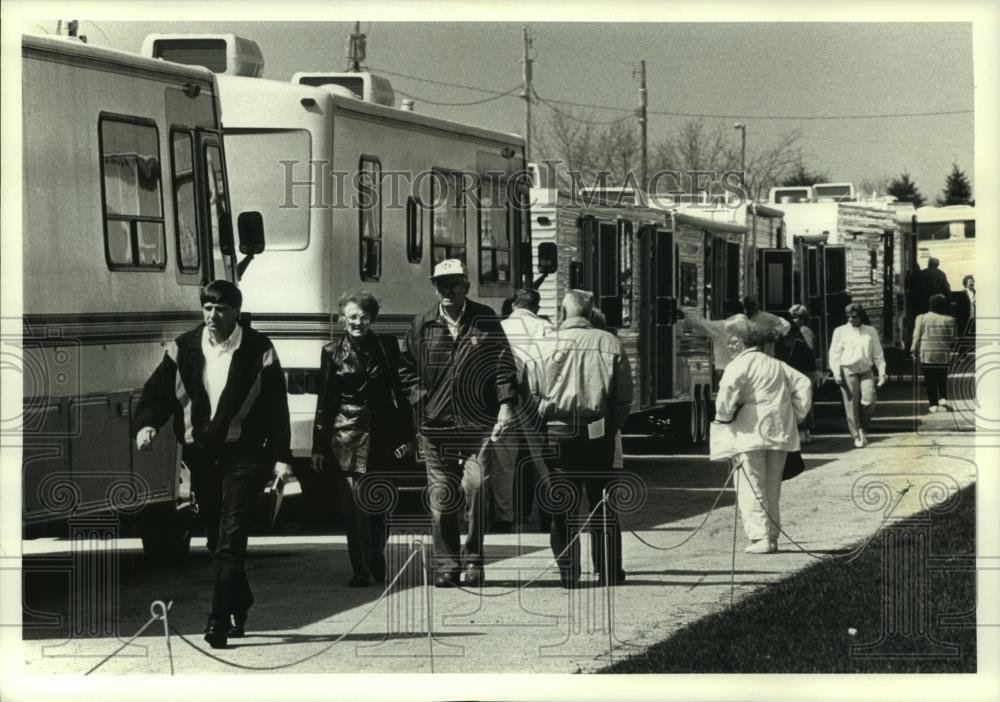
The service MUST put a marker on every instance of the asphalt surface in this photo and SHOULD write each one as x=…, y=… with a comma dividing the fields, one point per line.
x=678, y=552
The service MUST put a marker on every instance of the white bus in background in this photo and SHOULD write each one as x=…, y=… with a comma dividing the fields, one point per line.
x=345, y=187
x=125, y=215
x=948, y=234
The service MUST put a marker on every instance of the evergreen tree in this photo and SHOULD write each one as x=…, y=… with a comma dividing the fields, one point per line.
x=957, y=190
x=905, y=190
x=802, y=176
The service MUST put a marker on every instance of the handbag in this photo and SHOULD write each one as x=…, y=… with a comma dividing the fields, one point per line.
x=793, y=465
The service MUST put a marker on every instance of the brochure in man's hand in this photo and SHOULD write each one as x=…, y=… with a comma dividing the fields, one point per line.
x=271, y=501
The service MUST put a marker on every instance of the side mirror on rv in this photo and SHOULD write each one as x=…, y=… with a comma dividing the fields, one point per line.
x=251, y=228
x=548, y=257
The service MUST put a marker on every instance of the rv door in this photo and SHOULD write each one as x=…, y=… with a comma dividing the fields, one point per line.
x=774, y=280
x=214, y=196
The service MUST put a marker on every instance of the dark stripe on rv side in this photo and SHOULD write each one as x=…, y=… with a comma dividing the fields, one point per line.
x=50, y=330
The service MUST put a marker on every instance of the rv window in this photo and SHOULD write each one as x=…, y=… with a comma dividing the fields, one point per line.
x=969, y=230
x=370, y=217
x=219, y=215
x=608, y=272
x=185, y=215
x=836, y=270
x=689, y=284
x=447, y=216
x=494, y=237
x=625, y=270
x=133, y=205
x=414, y=230
x=271, y=173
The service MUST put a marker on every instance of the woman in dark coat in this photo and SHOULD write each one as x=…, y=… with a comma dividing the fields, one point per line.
x=797, y=348
x=363, y=425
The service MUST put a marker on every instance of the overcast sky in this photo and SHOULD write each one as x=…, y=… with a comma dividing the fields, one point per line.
x=745, y=71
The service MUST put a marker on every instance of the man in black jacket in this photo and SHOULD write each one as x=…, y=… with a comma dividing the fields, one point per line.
x=224, y=388
x=460, y=374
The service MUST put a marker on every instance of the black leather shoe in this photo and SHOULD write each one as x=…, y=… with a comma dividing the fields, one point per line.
x=474, y=576
x=446, y=580
x=237, y=624
x=501, y=526
x=359, y=581
x=215, y=634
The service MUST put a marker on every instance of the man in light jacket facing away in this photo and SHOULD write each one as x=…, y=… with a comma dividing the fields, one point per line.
x=587, y=399
x=854, y=350
x=760, y=402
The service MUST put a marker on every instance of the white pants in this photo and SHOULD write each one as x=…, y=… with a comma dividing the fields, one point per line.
x=758, y=488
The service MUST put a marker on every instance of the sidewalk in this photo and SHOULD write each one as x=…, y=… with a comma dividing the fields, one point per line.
x=304, y=605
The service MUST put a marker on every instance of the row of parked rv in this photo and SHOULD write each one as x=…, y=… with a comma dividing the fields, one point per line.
x=137, y=169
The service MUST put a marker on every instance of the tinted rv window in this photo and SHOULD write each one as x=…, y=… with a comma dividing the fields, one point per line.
x=494, y=237
x=414, y=230
x=270, y=173
x=625, y=270
x=447, y=217
x=219, y=214
x=133, y=205
x=370, y=217
x=185, y=215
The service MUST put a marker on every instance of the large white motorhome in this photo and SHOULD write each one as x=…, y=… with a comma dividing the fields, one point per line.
x=125, y=215
x=355, y=194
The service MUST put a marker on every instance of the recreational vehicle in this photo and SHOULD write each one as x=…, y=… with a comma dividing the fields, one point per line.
x=356, y=193
x=643, y=264
x=125, y=214
x=844, y=250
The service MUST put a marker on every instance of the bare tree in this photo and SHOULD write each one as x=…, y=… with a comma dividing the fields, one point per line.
x=590, y=148
x=696, y=147
x=874, y=184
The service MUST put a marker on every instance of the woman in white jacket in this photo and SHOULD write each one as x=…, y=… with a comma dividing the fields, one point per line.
x=759, y=405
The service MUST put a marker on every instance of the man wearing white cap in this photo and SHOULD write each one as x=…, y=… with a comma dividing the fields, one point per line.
x=460, y=374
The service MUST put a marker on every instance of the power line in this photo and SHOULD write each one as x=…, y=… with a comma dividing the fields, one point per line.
x=768, y=117
x=460, y=104
x=555, y=109
x=812, y=117
x=438, y=82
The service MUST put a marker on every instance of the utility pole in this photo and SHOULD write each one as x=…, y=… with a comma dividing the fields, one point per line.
x=743, y=152
x=526, y=95
x=355, y=49
x=643, y=179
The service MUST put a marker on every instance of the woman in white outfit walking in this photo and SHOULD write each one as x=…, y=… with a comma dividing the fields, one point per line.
x=759, y=405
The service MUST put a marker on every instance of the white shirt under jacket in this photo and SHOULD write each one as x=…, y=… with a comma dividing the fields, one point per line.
x=760, y=402
x=218, y=358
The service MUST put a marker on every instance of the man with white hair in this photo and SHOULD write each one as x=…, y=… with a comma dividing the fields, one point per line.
x=588, y=396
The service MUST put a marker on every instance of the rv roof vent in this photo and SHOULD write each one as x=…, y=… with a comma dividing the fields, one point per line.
x=220, y=53
x=364, y=86
x=791, y=194
x=835, y=192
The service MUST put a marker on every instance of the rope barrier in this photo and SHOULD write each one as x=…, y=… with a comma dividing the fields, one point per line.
x=333, y=643
x=155, y=616
x=548, y=566
x=704, y=521
x=852, y=554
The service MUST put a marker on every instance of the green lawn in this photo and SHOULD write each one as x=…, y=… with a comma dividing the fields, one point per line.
x=804, y=624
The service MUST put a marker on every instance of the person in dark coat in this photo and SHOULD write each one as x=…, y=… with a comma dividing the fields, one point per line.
x=460, y=374
x=363, y=425
x=795, y=349
x=931, y=281
x=965, y=308
x=223, y=386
